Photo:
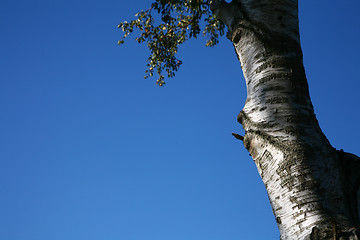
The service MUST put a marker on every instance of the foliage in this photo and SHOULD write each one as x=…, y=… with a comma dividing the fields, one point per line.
x=180, y=20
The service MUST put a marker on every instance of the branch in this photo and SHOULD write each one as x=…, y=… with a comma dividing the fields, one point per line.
x=237, y=136
x=228, y=13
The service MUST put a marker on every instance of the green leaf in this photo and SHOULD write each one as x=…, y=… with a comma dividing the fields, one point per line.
x=179, y=20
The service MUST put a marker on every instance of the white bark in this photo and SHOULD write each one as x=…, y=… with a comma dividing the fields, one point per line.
x=311, y=186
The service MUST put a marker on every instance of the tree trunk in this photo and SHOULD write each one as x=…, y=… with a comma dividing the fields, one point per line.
x=312, y=187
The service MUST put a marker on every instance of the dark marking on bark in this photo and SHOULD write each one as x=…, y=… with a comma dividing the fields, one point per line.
x=273, y=88
x=278, y=220
x=262, y=109
x=276, y=78
x=236, y=36
x=275, y=100
x=253, y=110
x=286, y=177
x=277, y=62
x=265, y=160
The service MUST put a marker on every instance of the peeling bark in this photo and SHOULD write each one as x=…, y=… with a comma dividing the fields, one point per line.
x=313, y=188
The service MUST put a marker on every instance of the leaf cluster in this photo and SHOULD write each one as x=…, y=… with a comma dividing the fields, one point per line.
x=179, y=20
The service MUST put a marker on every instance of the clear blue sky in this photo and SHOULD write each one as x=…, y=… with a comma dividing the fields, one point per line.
x=91, y=150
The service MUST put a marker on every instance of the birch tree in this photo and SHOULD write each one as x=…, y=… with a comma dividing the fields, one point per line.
x=313, y=188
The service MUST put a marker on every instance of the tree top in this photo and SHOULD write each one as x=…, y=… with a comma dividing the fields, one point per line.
x=165, y=26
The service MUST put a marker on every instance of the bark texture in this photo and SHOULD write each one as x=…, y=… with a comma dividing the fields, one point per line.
x=313, y=188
